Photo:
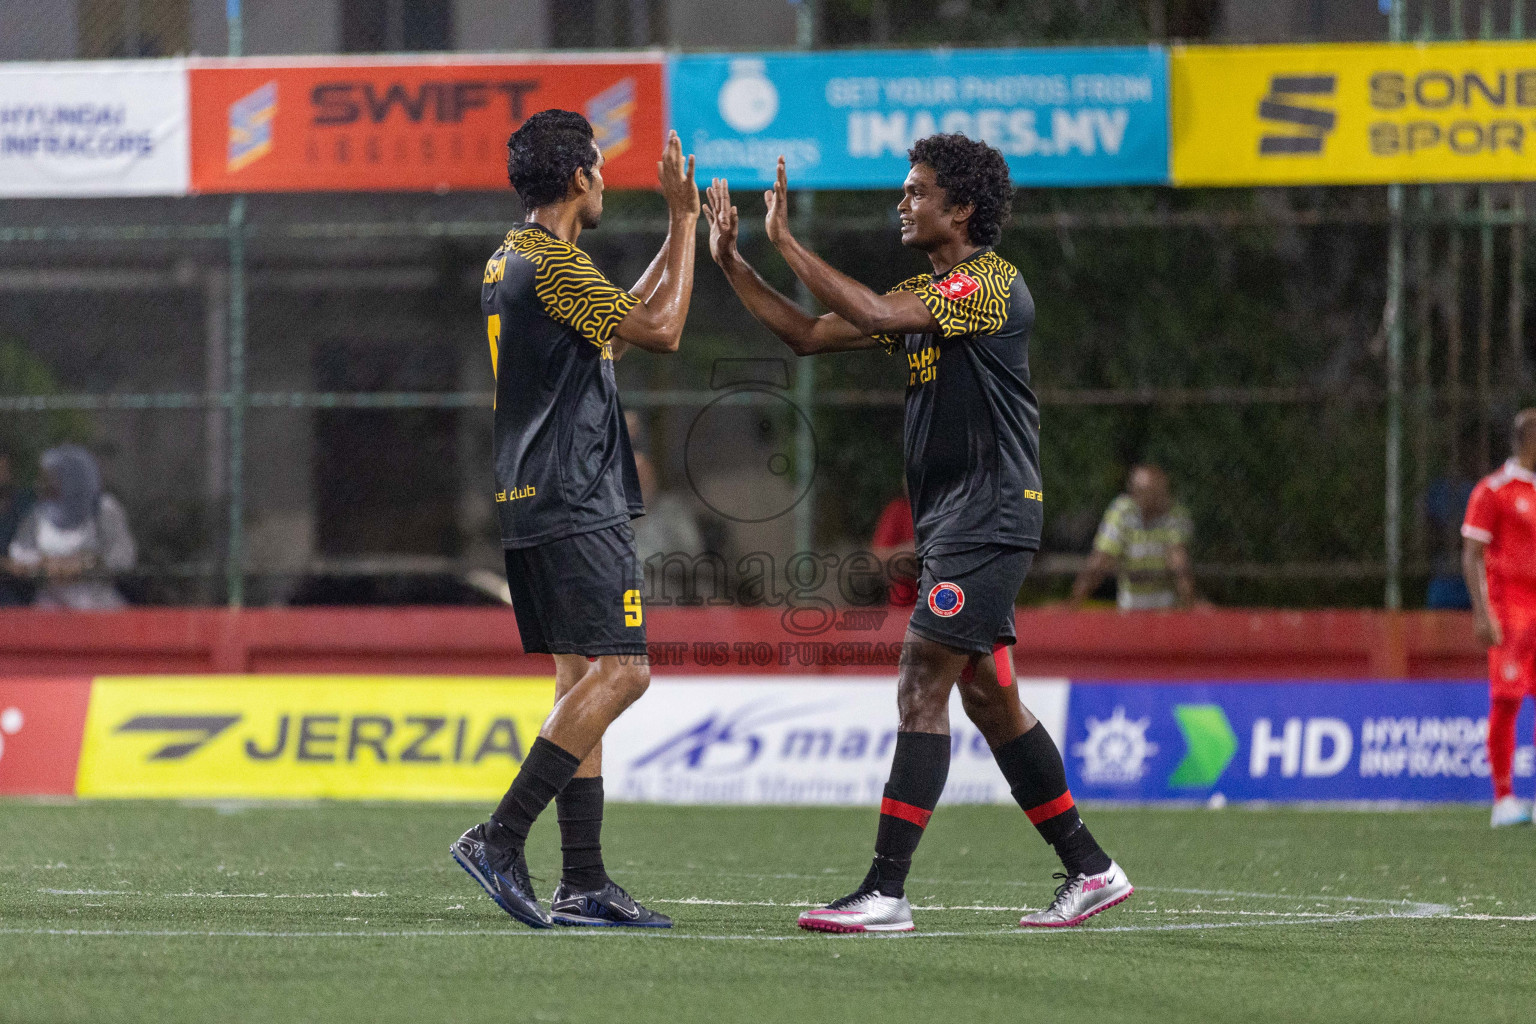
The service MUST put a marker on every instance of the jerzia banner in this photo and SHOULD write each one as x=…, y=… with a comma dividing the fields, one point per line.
x=740, y=739
x=418, y=738
x=1367, y=114
x=410, y=125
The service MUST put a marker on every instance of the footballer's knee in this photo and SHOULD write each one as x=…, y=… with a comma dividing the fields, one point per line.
x=922, y=694
x=632, y=677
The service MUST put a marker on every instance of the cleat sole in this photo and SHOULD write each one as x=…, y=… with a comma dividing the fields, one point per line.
x=490, y=890
x=578, y=921
x=819, y=924
x=1079, y=919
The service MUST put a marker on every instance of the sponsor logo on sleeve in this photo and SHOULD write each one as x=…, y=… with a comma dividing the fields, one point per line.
x=957, y=286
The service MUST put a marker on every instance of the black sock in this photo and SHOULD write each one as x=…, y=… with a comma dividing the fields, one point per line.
x=580, y=810
x=545, y=772
x=1038, y=778
x=918, y=773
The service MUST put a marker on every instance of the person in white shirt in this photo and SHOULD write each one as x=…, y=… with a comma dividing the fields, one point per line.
x=76, y=537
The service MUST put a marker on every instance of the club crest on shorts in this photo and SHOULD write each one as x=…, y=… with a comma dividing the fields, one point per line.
x=946, y=599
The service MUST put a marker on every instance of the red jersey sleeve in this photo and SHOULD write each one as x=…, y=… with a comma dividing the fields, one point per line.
x=1482, y=517
x=894, y=527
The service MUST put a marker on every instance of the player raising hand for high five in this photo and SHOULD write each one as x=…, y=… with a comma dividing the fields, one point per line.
x=973, y=473
x=566, y=489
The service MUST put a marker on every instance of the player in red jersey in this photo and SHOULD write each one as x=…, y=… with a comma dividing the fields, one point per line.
x=1498, y=558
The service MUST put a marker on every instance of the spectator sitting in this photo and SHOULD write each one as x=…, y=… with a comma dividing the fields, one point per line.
x=1145, y=535
x=75, y=538
x=15, y=503
x=892, y=543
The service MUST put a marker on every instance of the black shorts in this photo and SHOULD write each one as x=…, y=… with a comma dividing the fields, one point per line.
x=580, y=594
x=965, y=597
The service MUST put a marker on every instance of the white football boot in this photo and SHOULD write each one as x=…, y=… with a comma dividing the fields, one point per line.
x=1511, y=810
x=1080, y=897
x=862, y=911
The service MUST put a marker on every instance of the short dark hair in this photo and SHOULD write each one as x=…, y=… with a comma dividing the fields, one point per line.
x=545, y=151
x=971, y=174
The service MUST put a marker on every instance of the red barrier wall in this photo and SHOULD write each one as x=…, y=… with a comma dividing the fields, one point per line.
x=1225, y=644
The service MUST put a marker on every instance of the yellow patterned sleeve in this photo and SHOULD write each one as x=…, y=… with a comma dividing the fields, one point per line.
x=575, y=293
x=972, y=299
x=892, y=343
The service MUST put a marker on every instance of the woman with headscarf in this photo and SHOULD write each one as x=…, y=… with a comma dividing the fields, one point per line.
x=76, y=536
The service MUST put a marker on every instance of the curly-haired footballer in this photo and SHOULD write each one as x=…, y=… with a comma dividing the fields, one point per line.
x=973, y=472
x=566, y=489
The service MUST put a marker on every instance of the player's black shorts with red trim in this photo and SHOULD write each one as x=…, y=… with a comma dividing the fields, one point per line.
x=965, y=596
x=579, y=594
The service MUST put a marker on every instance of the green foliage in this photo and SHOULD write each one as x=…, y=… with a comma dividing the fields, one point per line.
x=26, y=435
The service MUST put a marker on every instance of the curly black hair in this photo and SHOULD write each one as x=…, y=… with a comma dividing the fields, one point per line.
x=545, y=151
x=970, y=173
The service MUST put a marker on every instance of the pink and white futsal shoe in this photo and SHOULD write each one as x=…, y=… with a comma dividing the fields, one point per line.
x=1080, y=897
x=862, y=911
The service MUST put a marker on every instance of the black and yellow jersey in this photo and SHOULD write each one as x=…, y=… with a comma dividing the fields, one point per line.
x=972, y=434
x=563, y=459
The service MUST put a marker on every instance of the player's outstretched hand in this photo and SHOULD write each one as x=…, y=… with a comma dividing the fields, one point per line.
x=722, y=222
x=777, y=200
x=676, y=176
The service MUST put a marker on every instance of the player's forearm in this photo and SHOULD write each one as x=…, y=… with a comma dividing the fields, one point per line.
x=793, y=325
x=859, y=305
x=1474, y=571
x=656, y=323
x=645, y=287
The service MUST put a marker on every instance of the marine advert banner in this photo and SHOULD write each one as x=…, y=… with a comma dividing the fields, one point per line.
x=97, y=128
x=846, y=120
x=1363, y=114
x=415, y=125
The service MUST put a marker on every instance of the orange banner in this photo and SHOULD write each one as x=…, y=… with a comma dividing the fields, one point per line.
x=409, y=126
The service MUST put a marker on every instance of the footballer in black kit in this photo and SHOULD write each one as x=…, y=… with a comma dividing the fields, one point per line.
x=971, y=442
x=565, y=490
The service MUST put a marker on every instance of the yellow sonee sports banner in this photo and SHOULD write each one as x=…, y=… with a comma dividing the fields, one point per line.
x=369, y=737
x=1366, y=114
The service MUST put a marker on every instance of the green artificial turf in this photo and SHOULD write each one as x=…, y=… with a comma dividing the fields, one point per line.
x=348, y=912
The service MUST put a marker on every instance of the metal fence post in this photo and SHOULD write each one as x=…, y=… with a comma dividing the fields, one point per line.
x=235, y=396
x=1394, y=325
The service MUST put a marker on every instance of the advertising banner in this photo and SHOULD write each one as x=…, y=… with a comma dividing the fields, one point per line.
x=782, y=740
x=418, y=125
x=846, y=120
x=1362, y=114
x=102, y=128
x=376, y=738
x=40, y=726
x=1284, y=741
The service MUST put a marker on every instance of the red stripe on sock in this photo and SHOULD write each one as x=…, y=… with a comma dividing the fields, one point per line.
x=1050, y=808
x=906, y=812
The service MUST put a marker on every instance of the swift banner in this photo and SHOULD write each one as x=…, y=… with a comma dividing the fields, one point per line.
x=846, y=120
x=103, y=128
x=409, y=126
x=1365, y=114
x=1284, y=741
x=416, y=738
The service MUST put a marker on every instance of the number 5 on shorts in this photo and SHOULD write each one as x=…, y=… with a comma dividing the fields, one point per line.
x=634, y=615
